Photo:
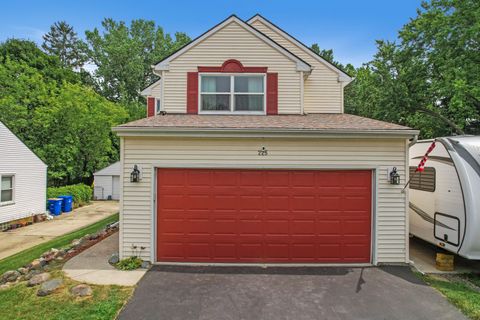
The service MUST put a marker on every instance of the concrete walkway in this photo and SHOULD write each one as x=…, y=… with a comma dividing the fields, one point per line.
x=20, y=239
x=91, y=266
x=423, y=254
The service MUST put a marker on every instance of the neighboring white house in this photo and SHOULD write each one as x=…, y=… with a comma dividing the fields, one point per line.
x=252, y=159
x=107, y=183
x=23, y=179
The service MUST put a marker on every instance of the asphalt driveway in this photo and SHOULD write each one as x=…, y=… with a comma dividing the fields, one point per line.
x=170, y=292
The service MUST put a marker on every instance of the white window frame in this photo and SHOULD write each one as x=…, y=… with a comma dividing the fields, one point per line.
x=10, y=202
x=158, y=110
x=232, y=94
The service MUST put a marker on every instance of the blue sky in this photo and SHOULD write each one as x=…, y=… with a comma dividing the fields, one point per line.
x=349, y=27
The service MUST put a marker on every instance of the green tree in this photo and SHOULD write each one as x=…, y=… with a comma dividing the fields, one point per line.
x=66, y=123
x=327, y=54
x=430, y=79
x=62, y=41
x=124, y=54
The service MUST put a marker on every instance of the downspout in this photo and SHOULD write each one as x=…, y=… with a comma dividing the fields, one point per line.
x=413, y=141
x=302, y=109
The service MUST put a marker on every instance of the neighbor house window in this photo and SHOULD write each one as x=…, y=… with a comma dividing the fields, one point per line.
x=424, y=181
x=232, y=94
x=7, y=185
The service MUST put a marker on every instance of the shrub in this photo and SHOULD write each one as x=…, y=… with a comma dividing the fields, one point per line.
x=130, y=263
x=82, y=194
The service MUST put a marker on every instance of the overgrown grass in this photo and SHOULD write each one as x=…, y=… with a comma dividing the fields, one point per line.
x=21, y=302
x=22, y=258
x=458, y=293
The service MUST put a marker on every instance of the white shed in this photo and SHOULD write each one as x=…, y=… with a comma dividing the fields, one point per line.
x=23, y=178
x=107, y=183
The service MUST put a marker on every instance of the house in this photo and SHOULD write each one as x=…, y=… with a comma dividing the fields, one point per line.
x=23, y=179
x=246, y=156
x=107, y=183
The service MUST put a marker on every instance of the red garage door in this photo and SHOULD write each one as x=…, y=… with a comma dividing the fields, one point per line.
x=276, y=216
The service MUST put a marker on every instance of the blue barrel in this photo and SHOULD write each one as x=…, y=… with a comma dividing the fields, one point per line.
x=55, y=206
x=67, y=202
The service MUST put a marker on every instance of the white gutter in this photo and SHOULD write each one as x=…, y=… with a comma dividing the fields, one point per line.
x=255, y=132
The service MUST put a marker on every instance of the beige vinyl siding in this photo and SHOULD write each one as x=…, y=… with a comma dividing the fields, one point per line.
x=157, y=90
x=232, y=42
x=322, y=91
x=391, y=236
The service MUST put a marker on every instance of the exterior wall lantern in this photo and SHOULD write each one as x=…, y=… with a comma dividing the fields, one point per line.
x=394, y=176
x=135, y=175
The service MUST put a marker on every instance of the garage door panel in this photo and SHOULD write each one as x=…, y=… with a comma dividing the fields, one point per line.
x=286, y=216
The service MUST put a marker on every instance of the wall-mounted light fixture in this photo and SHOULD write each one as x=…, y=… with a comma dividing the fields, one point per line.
x=394, y=176
x=135, y=175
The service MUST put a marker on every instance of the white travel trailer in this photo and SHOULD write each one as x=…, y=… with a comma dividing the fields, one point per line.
x=445, y=198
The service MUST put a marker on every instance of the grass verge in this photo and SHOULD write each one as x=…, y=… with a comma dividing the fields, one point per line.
x=460, y=294
x=24, y=257
x=22, y=302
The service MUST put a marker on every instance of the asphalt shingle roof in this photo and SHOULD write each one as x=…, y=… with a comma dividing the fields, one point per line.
x=323, y=121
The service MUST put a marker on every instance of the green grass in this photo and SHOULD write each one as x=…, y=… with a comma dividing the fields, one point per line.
x=459, y=294
x=22, y=258
x=21, y=302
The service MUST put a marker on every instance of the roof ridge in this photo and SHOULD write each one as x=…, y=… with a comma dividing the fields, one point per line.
x=300, y=42
x=244, y=24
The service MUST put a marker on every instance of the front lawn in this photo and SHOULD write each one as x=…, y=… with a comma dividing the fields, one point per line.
x=22, y=302
x=22, y=258
x=460, y=290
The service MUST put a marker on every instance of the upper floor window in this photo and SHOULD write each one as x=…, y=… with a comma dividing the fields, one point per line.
x=233, y=93
x=158, y=106
x=6, y=188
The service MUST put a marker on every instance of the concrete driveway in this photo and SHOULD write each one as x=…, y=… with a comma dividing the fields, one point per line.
x=169, y=292
x=20, y=239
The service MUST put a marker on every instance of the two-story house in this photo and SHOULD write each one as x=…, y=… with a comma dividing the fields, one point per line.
x=246, y=156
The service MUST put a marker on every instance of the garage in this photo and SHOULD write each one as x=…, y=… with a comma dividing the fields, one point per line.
x=263, y=216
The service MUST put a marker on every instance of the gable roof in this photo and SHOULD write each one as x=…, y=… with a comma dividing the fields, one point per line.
x=346, y=77
x=148, y=90
x=5, y=130
x=111, y=170
x=301, y=64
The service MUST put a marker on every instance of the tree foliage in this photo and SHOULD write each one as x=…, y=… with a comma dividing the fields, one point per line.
x=124, y=54
x=62, y=41
x=430, y=79
x=64, y=122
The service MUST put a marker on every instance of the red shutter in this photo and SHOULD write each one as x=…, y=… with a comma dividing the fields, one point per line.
x=272, y=93
x=150, y=107
x=192, y=92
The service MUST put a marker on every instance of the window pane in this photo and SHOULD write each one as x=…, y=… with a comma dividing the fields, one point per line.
x=249, y=84
x=248, y=102
x=6, y=182
x=7, y=195
x=215, y=102
x=215, y=83
x=158, y=106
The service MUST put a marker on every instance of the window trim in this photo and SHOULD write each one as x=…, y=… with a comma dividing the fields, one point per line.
x=10, y=202
x=232, y=93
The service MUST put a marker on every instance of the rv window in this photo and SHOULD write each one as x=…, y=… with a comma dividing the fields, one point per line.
x=424, y=181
